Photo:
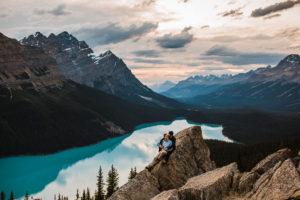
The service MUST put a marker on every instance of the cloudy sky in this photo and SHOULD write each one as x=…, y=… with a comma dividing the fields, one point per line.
x=168, y=39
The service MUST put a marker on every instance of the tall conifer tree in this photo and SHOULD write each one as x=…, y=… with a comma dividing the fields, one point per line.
x=112, y=181
x=100, y=186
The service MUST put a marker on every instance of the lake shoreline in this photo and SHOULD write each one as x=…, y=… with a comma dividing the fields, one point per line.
x=98, y=141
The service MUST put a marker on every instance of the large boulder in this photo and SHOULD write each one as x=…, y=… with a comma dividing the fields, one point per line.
x=142, y=187
x=212, y=185
x=191, y=158
x=280, y=182
x=249, y=178
x=167, y=195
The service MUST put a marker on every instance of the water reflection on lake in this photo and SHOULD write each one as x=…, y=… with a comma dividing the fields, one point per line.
x=64, y=172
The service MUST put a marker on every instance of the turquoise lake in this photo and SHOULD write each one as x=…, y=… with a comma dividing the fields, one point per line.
x=65, y=172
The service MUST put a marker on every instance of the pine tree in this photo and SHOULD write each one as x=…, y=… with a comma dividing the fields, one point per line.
x=77, y=195
x=2, y=195
x=83, y=195
x=96, y=195
x=88, y=196
x=132, y=173
x=135, y=172
x=112, y=181
x=11, y=196
x=26, y=196
x=59, y=197
x=100, y=186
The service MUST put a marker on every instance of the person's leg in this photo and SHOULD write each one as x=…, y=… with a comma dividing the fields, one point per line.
x=156, y=159
x=168, y=155
x=162, y=154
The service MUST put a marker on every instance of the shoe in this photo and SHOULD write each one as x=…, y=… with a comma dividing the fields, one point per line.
x=164, y=162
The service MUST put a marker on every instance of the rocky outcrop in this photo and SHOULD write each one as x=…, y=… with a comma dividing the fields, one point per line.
x=280, y=182
x=249, y=178
x=191, y=175
x=211, y=185
x=167, y=195
x=142, y=187
x=190, y=158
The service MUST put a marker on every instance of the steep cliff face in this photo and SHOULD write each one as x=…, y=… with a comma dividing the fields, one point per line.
x=191, y=175
x=27, y=67
x=105, y=72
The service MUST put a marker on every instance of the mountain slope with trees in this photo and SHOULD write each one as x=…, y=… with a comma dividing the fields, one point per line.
x=43, y=112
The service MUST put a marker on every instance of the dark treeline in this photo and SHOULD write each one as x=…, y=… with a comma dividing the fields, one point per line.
x=11, y=197
x=250, y=126
x=35, y=123
x=247, y=156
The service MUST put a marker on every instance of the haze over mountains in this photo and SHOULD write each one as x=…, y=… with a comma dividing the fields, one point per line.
x=105, y=72
x=163, y=86
x=272, y=88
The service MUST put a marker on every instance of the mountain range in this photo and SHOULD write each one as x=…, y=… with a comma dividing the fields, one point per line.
x=163, y=86
x=105, y=72
x=38, y=103
x=199, y=84
x=271, y=88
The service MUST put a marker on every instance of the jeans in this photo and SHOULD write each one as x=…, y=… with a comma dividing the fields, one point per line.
x=168, y=155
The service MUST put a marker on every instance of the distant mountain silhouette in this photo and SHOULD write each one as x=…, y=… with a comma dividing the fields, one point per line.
x=163, y=86
x=198, y=85
x=276, y=88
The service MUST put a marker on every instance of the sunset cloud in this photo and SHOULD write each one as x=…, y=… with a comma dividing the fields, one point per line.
x=235, y=57
x=115, y=33
x=232, y=13
x=167, y=39
x=274, y=8
x=57, y=11
x=175, y=41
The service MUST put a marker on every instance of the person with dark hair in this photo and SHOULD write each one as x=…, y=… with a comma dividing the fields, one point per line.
x=165, y=147
x=173, y=139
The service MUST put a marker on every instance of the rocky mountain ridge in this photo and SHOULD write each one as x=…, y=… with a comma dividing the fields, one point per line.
x=27, y=67
x=105, y=72
x=287, y=71
x=204, y=84
x=276, y=89
x=194, y=176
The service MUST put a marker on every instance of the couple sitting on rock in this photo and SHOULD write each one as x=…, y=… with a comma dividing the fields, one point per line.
x=166, y=146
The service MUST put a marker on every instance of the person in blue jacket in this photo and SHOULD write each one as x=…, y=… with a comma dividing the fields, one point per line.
x=166, y=145
x=173, y=139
